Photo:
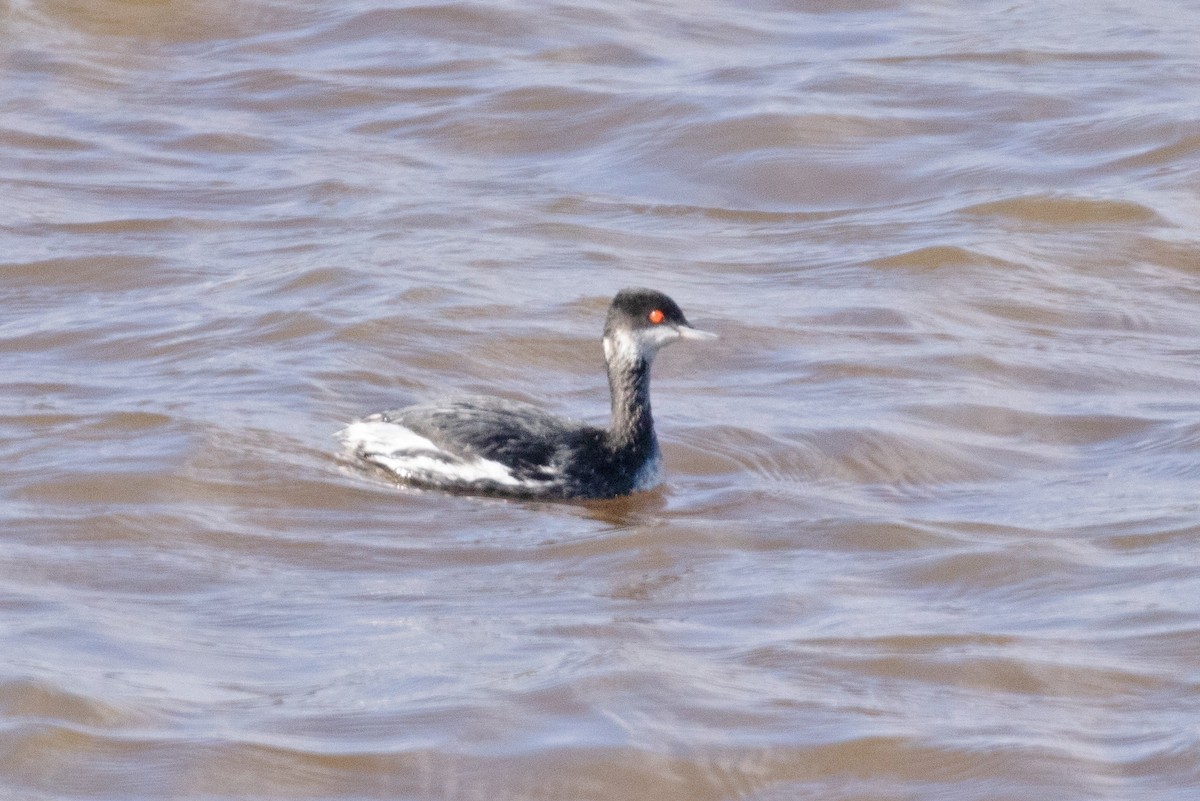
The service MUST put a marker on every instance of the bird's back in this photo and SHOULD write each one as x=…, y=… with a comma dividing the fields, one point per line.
x=477, y=444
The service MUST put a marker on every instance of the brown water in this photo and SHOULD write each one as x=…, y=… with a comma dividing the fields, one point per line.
x=931, y=528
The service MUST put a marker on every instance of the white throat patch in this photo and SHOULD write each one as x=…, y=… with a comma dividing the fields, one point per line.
x=627, y=348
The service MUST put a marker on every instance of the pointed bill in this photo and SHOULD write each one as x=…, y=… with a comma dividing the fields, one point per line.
x=687, y=332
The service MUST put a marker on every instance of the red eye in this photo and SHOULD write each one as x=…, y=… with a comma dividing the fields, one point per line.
x=656, y=316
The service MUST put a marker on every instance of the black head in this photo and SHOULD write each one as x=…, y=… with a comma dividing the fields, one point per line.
x=632, y=309
x=640, y=321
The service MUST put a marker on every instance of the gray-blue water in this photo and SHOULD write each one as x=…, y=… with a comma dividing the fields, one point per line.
x=930, y=527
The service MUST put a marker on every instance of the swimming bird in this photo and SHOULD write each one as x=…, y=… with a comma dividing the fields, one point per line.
x=491, y=446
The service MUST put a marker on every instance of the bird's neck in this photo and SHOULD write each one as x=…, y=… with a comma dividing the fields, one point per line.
x=631, y=426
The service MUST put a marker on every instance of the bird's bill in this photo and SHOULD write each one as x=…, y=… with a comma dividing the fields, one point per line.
x=687, y=332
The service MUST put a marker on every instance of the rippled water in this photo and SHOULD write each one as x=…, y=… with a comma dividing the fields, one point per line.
x=931, y=523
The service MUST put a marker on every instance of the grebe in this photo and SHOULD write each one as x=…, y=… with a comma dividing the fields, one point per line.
x=491, y=446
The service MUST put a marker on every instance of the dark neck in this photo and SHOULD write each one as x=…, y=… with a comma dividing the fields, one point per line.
x=631, y=426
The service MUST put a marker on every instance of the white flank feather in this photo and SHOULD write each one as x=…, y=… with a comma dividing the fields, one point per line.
x=409, y=455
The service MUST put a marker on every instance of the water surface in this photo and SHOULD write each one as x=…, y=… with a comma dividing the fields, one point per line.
x=931, y=519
